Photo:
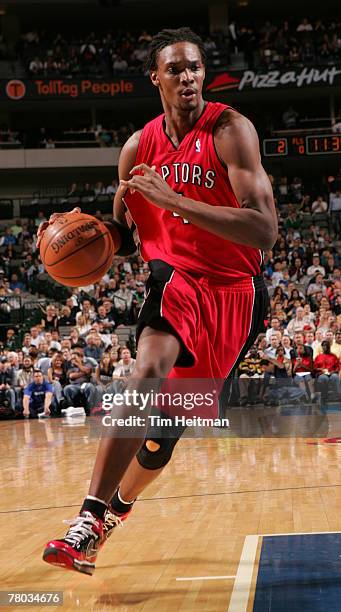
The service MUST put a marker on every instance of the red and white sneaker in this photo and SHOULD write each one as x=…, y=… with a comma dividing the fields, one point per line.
x=111, y=521
x=78, y=550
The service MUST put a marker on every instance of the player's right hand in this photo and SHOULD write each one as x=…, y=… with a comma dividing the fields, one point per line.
x=43, y=226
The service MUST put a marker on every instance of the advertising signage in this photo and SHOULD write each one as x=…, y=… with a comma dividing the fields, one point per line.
x=141, y=87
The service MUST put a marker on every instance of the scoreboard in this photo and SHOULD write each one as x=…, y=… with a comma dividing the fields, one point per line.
x=321, y=144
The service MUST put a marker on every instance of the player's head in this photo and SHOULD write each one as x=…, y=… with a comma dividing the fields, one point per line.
x=176, y=64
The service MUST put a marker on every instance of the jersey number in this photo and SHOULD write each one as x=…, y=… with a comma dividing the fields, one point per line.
x=177, y=215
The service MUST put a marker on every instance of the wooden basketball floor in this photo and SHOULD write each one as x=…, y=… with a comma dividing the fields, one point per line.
x=193, y=541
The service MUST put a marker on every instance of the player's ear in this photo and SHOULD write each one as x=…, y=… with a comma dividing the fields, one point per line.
x=154, y=78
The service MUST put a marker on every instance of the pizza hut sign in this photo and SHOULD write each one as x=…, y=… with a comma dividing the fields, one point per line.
x=275, y=78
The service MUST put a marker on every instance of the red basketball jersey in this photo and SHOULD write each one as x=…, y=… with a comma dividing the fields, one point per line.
x=194, y=170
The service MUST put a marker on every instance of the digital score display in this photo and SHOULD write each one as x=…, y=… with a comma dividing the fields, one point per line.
x=322, y=144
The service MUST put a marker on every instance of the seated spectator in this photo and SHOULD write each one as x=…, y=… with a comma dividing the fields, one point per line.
x=327, y=371
x=37, y=397
x=336, y=346
x=119, y=65
x=335, y=209
x=36, y=66
x=302, y=365
x=304, y=26
x=92, y=349
x=11, y=341
x=99, y=188
x=297, y=323
x=56, y=376
x=74, y=191
x=105, y=318
x=35, y=337
x=287, y=345
x=79, y=391
x=76, y=339
x=67, y=318
x=319, y=206
x=309, y=339
x=83, y=325
x=8, y=239
x=275, y=327
x=138, y=299
x=23, y=378
x=49, y=320
x=104, y=371
x=283, y=387
x=88, y=192
x=7, y=393
x=250, y=373
x=53, y=339
x=111, y=189
x=316, y=285
x=87, y=311
x=125, y=365
x=275, y=341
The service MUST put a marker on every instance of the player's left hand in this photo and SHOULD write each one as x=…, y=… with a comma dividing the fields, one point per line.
x=151, y=185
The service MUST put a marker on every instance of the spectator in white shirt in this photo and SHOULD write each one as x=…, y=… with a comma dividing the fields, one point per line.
x=286, y=343
x=317, y=286
x=316, y=265
x=304, y=26
x=319, y=206
x=111, y=189
x=275, y=327
x=297, y=324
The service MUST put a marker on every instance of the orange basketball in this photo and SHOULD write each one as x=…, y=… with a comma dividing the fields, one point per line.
x=77, y=250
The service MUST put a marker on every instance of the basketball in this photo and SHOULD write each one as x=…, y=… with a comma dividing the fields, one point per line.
x=77, y=250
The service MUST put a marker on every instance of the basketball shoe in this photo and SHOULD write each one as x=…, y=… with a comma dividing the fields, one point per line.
x=78, y=550
x=111, y=521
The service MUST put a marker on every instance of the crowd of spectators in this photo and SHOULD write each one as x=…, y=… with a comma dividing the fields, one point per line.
x=300, y=353
x=291, y=42
x=73, y=351
x=50, y=138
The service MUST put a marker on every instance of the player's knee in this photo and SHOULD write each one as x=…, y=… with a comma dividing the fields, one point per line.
x=151, y=370
x=154, y=455
x=152, y=446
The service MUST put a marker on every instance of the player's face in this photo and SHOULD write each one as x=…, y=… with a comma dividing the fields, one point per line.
x=180, y=74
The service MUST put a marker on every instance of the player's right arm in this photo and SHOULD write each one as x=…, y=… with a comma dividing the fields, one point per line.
x=125, y=164
x=119, y=228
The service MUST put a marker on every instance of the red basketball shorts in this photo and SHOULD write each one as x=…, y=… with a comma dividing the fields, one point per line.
x=215, y=324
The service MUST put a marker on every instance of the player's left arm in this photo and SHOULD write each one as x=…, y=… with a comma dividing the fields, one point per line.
x=255, y=222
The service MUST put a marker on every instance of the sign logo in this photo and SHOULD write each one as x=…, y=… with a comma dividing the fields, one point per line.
x=197, y=145
x=273, y=79
x=222, y=82
x=15, y=89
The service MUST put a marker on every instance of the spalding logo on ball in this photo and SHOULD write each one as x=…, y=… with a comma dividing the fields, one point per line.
x=77, y=250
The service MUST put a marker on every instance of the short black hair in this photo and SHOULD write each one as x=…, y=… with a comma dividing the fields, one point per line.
x=167, y=37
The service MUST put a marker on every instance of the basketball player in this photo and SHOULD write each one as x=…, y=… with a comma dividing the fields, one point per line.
x=202, y=204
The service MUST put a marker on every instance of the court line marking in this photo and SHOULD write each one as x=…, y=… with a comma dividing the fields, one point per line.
x=205, y=578
x=273, y=535
x=241, y=590
x=153, y=499
x=242, y=585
